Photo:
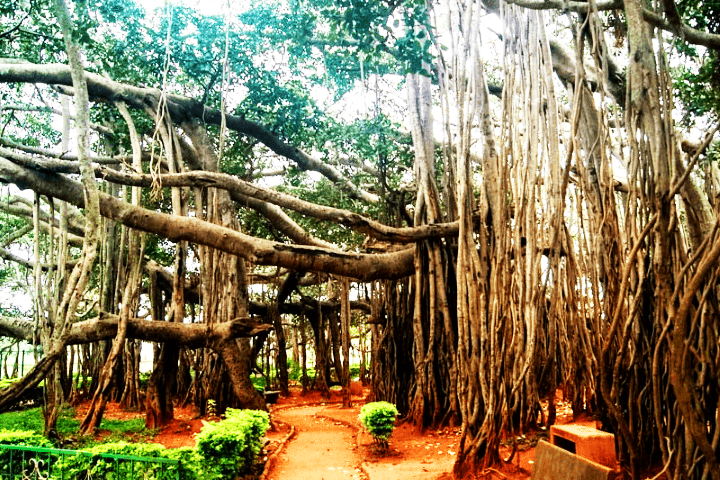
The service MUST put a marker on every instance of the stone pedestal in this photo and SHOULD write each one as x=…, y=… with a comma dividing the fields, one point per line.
x=555, y=463
x=595, y=445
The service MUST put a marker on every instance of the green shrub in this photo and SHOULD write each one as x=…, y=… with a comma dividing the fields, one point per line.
x=229, y=448
x=378, y=418
x=191, y=464
x=17, y=437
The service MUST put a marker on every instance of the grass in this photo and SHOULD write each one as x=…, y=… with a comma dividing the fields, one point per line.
x=67, y=427
x=121, y=429
x=32, y=421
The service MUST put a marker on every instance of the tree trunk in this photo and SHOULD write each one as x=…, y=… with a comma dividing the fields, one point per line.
x=303, y=352
x=159, y=395
x=281, y=365
x=345, y=328
x=236, y=356
x=320, y=383
x=130, y=300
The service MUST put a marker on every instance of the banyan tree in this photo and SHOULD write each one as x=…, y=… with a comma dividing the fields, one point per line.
x=511, y=197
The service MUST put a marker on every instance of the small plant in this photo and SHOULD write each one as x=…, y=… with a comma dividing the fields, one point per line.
x=259, y=383
x=378, y=418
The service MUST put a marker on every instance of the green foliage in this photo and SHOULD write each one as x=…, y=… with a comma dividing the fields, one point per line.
x=95, y=466
x=355, y=371
x=229, y=448
x=389, y=36
x=225, y=449
x=191, y=463
x=258, y=382
x=144, y=380
x=19, y=38
x=294, y=370
x=18, y=437
x=378, y=418
x=697, y=79
x=23, y=437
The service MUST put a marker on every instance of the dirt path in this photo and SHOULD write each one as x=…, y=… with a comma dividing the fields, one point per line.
x=321, y=449
x=330, y=444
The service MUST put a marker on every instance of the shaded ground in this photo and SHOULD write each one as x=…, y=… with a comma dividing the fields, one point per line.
x=179, y=433
x=314, y=438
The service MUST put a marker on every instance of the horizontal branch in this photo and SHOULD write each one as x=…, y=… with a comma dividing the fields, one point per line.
x=690, y=35
x=17, y=327
x=339, y=216
x=570, y=6
x=306, y=306
x=190, y=335
x=364, y=267
x=237, y=186
x=33, y=108
x=45, y=267
x=114, y=160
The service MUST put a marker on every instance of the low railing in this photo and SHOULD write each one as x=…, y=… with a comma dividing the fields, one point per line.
x=39, y=463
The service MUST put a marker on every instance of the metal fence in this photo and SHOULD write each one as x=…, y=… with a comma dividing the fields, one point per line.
x=38, y=463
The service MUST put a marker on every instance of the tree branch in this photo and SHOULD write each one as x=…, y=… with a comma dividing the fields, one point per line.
x=336, y=215
x=181, y=109
x=690, y=35
x=190, y=335
x=365, y=267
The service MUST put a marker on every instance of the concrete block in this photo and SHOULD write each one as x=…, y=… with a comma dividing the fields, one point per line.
x=555, y=463
x=587, y=442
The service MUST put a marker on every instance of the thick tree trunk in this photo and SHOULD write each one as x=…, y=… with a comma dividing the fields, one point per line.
x=236, y=357
x=159, y=395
